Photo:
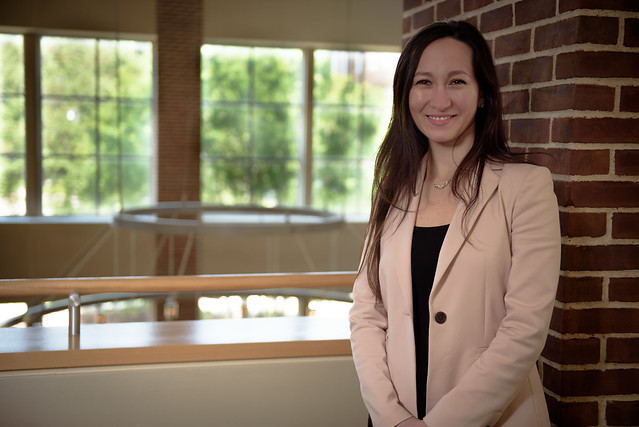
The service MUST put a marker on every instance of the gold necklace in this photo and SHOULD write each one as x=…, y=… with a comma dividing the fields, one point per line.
x=441, y=186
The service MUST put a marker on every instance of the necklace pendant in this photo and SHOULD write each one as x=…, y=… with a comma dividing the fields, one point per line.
x=441, y=186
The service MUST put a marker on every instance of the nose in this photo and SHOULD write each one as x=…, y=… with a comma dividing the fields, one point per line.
x=440, y=99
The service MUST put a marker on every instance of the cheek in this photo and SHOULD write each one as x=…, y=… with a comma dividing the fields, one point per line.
x=415, y=102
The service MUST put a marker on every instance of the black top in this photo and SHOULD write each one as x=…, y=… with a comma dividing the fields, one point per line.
x=427, y=242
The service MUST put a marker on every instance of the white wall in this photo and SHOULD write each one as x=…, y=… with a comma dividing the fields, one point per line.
x=334, y=22
x=310, y=392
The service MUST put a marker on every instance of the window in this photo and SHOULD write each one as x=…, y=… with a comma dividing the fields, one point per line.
x=251, y=125
x=352, y=106
x=280, y=126
x=96, y=112
x=12, y=127
x=254, y=144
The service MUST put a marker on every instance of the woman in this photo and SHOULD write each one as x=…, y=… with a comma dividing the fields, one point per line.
x=460, y=267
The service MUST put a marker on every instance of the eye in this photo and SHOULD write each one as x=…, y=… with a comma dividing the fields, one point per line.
x=456, y=82
x=422, y=82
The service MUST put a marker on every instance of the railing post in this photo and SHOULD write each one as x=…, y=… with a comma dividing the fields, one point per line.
x=74, y=318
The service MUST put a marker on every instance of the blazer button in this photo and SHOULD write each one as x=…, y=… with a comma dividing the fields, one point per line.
x=440, y=317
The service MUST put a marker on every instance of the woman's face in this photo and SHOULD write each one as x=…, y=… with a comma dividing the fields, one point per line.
x=444, y=96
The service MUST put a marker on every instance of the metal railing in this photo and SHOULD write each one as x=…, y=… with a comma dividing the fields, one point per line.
x=73, y=288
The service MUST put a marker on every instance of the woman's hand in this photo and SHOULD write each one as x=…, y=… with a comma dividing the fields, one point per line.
x=411, y=422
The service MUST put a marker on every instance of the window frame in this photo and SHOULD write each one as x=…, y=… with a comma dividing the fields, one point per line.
x=33, y=116
x=306, y=146
x=33, y=113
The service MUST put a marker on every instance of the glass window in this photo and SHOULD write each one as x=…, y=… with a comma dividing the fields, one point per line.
x=12, y=126
x=96, y=124
x=352, y=100
x=251, y=125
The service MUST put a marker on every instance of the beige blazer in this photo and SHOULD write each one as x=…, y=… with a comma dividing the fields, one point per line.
x=490, y=308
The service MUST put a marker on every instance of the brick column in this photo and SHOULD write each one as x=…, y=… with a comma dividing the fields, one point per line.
x=179, y=37
x=570, y=81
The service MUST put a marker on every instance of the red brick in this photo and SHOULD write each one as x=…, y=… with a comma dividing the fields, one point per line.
x=576, y=30
x=527, y=11
x=409, y=4
x=597, y=64
x=626, y=5
x=629, y=99
x=512, y=44
x=595, y=320
x=622, y=412
x=631, y=32
x=627, y=162
x=622, y=350
x=596, y=130
x=532, y=70
x=600, y=258
x=423, y=18
x=572, y=351
x=497, y=19
x=625, y=225
x=572, y=162
x=598, y=194
x=587, y=224
x=573, y=97
x=580, y=289
x=448, y=9
x=515, y=102
x=473, y=20
x=475, y=4
x=530, y=130
x=573, y=413
x=591, y=382
x=625, y=289
x=503, y=74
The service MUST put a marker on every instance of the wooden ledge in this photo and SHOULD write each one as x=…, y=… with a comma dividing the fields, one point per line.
x=168, y=342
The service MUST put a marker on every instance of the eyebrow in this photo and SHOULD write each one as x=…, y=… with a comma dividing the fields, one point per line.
x=452, y=73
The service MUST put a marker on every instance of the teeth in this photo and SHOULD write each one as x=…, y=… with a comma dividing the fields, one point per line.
x=439, y=118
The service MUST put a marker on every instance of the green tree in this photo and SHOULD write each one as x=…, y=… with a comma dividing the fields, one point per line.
x=12, y=136
x=97, y=124
x=251, y=125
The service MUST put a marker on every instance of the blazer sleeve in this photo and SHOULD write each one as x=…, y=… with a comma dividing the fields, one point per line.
x=368, y=323
x=499, y=373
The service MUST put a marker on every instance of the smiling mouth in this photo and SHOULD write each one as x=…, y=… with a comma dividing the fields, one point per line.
x=440, y=118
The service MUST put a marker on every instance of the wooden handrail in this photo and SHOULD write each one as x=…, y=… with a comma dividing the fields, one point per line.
x=84, y=286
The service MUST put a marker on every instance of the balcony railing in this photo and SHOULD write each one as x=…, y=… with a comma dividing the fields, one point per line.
x=160, y=342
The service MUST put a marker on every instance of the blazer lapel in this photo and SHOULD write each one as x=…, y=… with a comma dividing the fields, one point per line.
x=461, y=227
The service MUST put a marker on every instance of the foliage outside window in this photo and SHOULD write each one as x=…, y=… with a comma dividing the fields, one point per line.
x=352, y=104
x=12, y=128
x=253, y=112
x=97, y=120
x=251, y=126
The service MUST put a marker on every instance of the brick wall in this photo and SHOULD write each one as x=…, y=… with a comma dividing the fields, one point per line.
x=179, y=37
x=569, y=71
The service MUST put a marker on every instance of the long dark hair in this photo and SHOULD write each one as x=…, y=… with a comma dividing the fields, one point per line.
x=400, y=155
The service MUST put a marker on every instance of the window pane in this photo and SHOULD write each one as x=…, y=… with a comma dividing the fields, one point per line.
x=69, y=185
x=352, y=105
x=126, y=69
x=225, y=182
x=125, y=127
x=102, y=121
x=278, y=75
x=251, y=125
x=225, y=130
x=68, y=66
x=68, y=127
x=12, y=136
x=225, y=73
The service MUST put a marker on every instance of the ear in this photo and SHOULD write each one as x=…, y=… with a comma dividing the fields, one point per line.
x=480, y=101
